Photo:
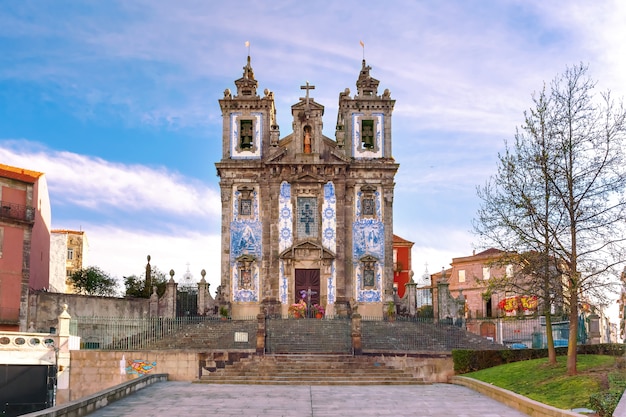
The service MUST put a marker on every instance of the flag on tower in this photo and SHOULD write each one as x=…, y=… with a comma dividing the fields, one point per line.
x=362, y=44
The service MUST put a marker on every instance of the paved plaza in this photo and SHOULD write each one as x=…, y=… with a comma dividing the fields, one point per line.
x=194, y=400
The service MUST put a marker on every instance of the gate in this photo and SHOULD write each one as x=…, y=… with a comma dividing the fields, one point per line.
x=26, y=388
x=187, y=301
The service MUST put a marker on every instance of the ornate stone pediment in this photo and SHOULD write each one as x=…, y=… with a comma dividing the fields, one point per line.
x=306, y=250
x=368, y=258
x=246, y=258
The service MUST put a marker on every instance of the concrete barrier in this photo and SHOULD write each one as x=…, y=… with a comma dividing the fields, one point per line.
x=513, y=400
x=91, y=403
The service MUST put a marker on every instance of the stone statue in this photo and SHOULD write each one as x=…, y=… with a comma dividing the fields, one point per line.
x=307, y=139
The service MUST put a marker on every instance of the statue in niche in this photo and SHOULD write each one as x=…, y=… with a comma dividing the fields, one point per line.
x=307, y=139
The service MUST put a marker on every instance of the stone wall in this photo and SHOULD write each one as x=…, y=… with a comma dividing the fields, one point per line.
x=94, y=370
x=45, y=308
x=433, y=369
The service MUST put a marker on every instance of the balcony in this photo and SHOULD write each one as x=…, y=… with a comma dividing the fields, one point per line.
x=16, y=212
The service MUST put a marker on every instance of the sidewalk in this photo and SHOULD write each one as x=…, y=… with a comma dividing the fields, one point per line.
x=194, y=400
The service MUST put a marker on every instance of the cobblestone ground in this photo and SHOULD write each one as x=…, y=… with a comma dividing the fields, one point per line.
x=194, y=400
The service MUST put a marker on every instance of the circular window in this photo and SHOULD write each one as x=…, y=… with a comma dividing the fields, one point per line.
x=4, y=340
x=19, y=341
x=33, y=341
x=49, y=342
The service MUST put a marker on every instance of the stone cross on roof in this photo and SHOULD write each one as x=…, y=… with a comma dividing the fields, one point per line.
x=307, y=87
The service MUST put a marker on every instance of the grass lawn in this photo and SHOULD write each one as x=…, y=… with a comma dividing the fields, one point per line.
x=549, y=384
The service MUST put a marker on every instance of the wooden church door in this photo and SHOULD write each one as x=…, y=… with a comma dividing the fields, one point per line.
x=308, y=279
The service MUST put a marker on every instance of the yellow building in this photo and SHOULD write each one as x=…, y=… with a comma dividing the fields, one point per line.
x=69, y=250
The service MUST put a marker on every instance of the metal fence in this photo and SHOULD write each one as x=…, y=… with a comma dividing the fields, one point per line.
x=524, y=332
x=115, y=333
x=327, y=335
x=419, y=335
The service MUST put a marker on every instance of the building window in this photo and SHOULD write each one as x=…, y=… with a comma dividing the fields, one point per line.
x=1, y=240
x=70, y=254
x=307, y=217
x=486, y=272
x=367, y=134
x=245, y=201
x=245, y=207
x=509, y=271
x=368, y=201
x=462, y=275
x=368, y=206
x=244, y=264
x=369, y=271
x=246, y=134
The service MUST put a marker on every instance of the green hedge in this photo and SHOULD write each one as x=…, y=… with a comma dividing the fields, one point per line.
x=604, y=403
x=474, y=360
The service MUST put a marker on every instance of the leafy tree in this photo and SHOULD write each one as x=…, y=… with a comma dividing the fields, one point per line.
x=559, y=193
x=136, y=286
x=93, y=281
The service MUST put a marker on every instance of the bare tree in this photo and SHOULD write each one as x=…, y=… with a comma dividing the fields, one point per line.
x=517, y=213
x=559, y=192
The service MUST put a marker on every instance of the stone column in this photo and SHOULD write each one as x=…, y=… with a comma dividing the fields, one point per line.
x=203, y=290
x=154, y=302
x=260, y=334
x=62, y=351
x=170, y=297
x=411, y=295
x=356, y=333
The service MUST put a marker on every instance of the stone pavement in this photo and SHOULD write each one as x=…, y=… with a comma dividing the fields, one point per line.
x=194, y=400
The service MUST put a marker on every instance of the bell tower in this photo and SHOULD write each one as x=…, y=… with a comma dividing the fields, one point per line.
x=249, y=130
x=364, y=121
x=249, y=121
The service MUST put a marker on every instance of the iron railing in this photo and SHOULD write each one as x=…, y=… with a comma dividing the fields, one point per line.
x=115, y=333
x=327, y=335
x=16, y=211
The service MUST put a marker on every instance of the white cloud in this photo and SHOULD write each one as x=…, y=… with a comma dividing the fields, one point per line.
x=134, y=195
x=123, y=252
x=98, y=185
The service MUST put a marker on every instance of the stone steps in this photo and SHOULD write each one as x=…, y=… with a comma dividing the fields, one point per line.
x=310, y=370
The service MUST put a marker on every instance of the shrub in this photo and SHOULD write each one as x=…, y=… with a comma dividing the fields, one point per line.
x=604, y=403
x=474, y=360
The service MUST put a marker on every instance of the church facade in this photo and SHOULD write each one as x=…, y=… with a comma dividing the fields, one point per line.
x=304, y=213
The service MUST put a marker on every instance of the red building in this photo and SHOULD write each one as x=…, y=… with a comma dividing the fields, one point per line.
x=24, y=242
x=401, y=263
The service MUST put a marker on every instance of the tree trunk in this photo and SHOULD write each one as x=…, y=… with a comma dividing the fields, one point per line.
x=572, y=343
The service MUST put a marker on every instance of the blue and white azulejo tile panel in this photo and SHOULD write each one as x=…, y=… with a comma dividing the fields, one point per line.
x=285, y=217
x=329, y=218
x=245, y=239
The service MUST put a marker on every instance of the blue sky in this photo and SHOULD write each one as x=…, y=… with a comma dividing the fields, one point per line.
x=116, y=102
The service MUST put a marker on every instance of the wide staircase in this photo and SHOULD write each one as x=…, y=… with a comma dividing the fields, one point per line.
x=313, y=369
